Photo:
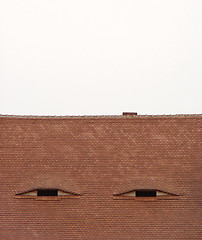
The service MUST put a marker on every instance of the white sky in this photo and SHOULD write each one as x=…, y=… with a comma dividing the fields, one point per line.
x=83, y=57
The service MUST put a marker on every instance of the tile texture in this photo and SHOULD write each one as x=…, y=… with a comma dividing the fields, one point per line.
x=97, y=158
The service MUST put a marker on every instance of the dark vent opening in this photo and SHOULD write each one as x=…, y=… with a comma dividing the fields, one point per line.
x=143, y=193
x=47, y=192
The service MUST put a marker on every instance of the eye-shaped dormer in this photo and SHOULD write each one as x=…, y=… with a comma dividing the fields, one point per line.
x=47, y=194
x=148, y=193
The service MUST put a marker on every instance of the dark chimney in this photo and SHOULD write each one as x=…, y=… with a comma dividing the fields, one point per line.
x=129, y=113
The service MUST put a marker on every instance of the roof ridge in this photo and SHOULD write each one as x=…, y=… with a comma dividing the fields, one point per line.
x=97, y=116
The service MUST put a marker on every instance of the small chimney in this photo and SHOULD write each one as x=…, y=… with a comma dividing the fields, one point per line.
x=129, y=113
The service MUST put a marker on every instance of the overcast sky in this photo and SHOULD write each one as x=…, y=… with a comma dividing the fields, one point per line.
x=84, y=57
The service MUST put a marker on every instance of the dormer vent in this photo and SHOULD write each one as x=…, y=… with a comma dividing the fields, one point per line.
x=47, y=192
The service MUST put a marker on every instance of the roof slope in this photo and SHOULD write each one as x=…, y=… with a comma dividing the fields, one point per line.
x=98, y=158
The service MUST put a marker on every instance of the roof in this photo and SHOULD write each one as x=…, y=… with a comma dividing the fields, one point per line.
x=99, y=158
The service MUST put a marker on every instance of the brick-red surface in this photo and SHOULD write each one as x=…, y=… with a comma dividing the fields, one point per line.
x=97, y=158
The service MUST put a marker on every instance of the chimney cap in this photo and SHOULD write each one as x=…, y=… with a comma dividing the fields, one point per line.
x=129, y=113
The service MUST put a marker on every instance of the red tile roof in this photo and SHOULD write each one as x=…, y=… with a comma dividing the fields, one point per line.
x=99, y=158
